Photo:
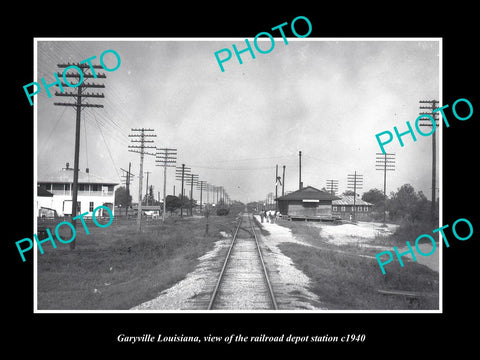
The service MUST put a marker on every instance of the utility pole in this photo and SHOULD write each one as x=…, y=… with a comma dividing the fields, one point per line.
x=180, y=173
x=283, y=181
x=276, y=187
x=166, y=157
x=385, y=162
x=146, y=192
x=141, y=150
x=201, y=185
x=332, y=186
x=207, y=190
x=191, y=181
x=355, y=182
x=213, y=189
x=128, y=181
x=78, y=105
x=300, y=184
x=429, y=123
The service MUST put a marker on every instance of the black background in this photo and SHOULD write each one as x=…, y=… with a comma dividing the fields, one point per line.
x=63, y=335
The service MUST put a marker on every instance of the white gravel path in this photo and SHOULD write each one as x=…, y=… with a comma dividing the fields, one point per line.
x=193, y=292
x=289, y=283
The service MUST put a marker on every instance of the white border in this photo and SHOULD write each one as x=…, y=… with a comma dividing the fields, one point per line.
x=440, y=182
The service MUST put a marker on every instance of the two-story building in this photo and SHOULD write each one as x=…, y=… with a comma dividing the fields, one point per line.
x=93, y=191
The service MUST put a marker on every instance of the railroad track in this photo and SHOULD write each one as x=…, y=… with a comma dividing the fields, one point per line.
x=243, y=283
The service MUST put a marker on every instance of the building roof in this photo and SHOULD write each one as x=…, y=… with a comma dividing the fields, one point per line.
x=308, y=193
x=43, y=192
x=348, y=200
x=65, y=176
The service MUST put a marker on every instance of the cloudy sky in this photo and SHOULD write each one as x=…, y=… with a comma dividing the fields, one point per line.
x=327, y=98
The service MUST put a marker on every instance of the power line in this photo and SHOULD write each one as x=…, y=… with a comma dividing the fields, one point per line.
x=53, y=129
x=108, y=150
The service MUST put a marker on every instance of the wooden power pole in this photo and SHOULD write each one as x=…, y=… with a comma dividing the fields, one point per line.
x=276, y=187
x=142, y=139
x=300, y=184
x=180, y=173
x=385, y=162
x=355, y=182
x=429, y=123
x=191, y=180
x=78, y=96
x=166, y=157
x=128, y=180
x=201, y=185
x=332, y=186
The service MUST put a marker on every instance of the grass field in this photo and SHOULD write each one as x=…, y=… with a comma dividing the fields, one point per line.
x=344, y=280
x=118, y=268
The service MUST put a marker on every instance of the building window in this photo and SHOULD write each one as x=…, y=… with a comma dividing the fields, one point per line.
x=334, y=208
x=90, y=207
x=353, y=208
x=359, y=208
x=94, y=187
x=365, y=208
x=79, y=207
x=81, y=187
x=342, y=208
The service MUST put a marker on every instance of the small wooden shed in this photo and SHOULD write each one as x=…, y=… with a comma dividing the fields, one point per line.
x=307, y=203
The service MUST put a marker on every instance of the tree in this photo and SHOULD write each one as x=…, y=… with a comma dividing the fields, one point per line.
x=122, y=198
x=172, y=203
x=406, y=204
x=374, y=196
x=348, y=193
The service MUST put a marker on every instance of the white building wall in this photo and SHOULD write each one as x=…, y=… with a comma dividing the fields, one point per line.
x=57, y=202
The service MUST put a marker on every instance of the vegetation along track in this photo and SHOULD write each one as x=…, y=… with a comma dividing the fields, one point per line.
x=243, y=283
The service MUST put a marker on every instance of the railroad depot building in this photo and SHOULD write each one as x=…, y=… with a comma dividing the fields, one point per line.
x=347, y=209
x=307, y=203
x=93, y=191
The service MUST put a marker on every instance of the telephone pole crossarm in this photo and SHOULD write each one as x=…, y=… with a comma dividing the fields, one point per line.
x=78, y=104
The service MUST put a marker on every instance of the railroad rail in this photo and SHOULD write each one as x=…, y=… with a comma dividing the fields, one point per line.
x=243, y=282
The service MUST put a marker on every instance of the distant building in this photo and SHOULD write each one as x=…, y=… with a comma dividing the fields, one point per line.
x=307, y=203
x=93, y=191
x=345, y=208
